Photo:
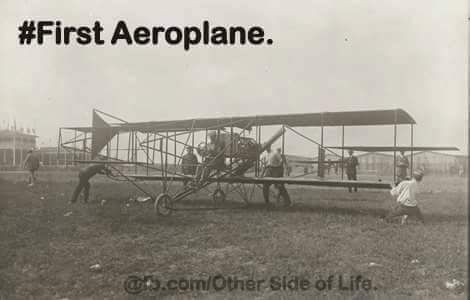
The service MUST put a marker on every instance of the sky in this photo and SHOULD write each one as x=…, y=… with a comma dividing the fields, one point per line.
x=326, y=56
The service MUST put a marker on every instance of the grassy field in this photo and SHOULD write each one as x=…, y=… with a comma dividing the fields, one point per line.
x=47, y=252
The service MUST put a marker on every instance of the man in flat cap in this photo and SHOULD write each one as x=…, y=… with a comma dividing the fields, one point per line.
x=407, y=204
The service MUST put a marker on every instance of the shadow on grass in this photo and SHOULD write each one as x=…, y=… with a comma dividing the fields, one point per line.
x=352, y=211
x=435, y=218
x=175, y=219
x=188, y=213
x=308, y=209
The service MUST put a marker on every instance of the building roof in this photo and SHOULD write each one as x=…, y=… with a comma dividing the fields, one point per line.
x=8, y=133
x=48, y=149
x=439, y=154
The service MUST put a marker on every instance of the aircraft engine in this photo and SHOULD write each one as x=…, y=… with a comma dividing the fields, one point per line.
x=237, y=146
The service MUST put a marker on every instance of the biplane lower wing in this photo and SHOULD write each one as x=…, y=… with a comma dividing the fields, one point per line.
x=311, y=161
x=392, y=148
x=272, y=180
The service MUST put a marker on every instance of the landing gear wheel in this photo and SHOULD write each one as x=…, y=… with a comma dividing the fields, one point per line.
x=163, y=205
x=218, y=196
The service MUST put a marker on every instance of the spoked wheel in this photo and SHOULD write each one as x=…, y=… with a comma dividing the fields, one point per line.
x=163, y=205
x=218, y=196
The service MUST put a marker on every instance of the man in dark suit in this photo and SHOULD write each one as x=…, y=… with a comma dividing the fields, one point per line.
x=84, y=176
x=351, y=168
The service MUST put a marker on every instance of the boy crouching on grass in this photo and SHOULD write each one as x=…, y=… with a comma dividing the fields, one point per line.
x=406, y=192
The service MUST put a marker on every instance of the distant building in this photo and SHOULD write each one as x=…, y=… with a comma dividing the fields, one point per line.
x=299, y=164
x=431, y=162
x=49, y=156
x=440, y=163
x=375, y=162
x=382, y=163
x=14, y=145
x=303, y=164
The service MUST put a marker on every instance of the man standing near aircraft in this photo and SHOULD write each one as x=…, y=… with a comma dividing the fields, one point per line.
x=329, y=166
x=189, y=163
x=406, y=192
x=402, y=166
x=284, y=165
x=31, y=163
x=213, y=157
x=351, y=168
x=274, y=168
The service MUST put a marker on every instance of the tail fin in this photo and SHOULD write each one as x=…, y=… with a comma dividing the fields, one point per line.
x=102, y=133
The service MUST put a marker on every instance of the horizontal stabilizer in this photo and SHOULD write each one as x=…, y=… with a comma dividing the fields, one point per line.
x=392, y=148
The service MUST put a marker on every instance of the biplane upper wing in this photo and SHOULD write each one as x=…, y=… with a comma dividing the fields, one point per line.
x=102, y=132
x=392, y=148
x=272, y=180
x=338, y=118
x=341, y=118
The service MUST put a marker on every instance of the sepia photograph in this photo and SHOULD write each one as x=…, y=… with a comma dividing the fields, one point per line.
x=234, y=150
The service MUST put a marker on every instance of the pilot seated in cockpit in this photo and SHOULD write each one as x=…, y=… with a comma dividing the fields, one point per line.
x=212, y=157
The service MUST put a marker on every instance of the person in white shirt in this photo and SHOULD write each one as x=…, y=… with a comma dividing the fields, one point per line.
x=265, y=159
x=274, y=168
x=407, y=204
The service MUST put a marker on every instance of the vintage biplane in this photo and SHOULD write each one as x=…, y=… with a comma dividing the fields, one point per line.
x=153, y=151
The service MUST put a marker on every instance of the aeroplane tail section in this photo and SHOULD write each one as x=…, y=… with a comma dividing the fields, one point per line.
x=102, y=133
